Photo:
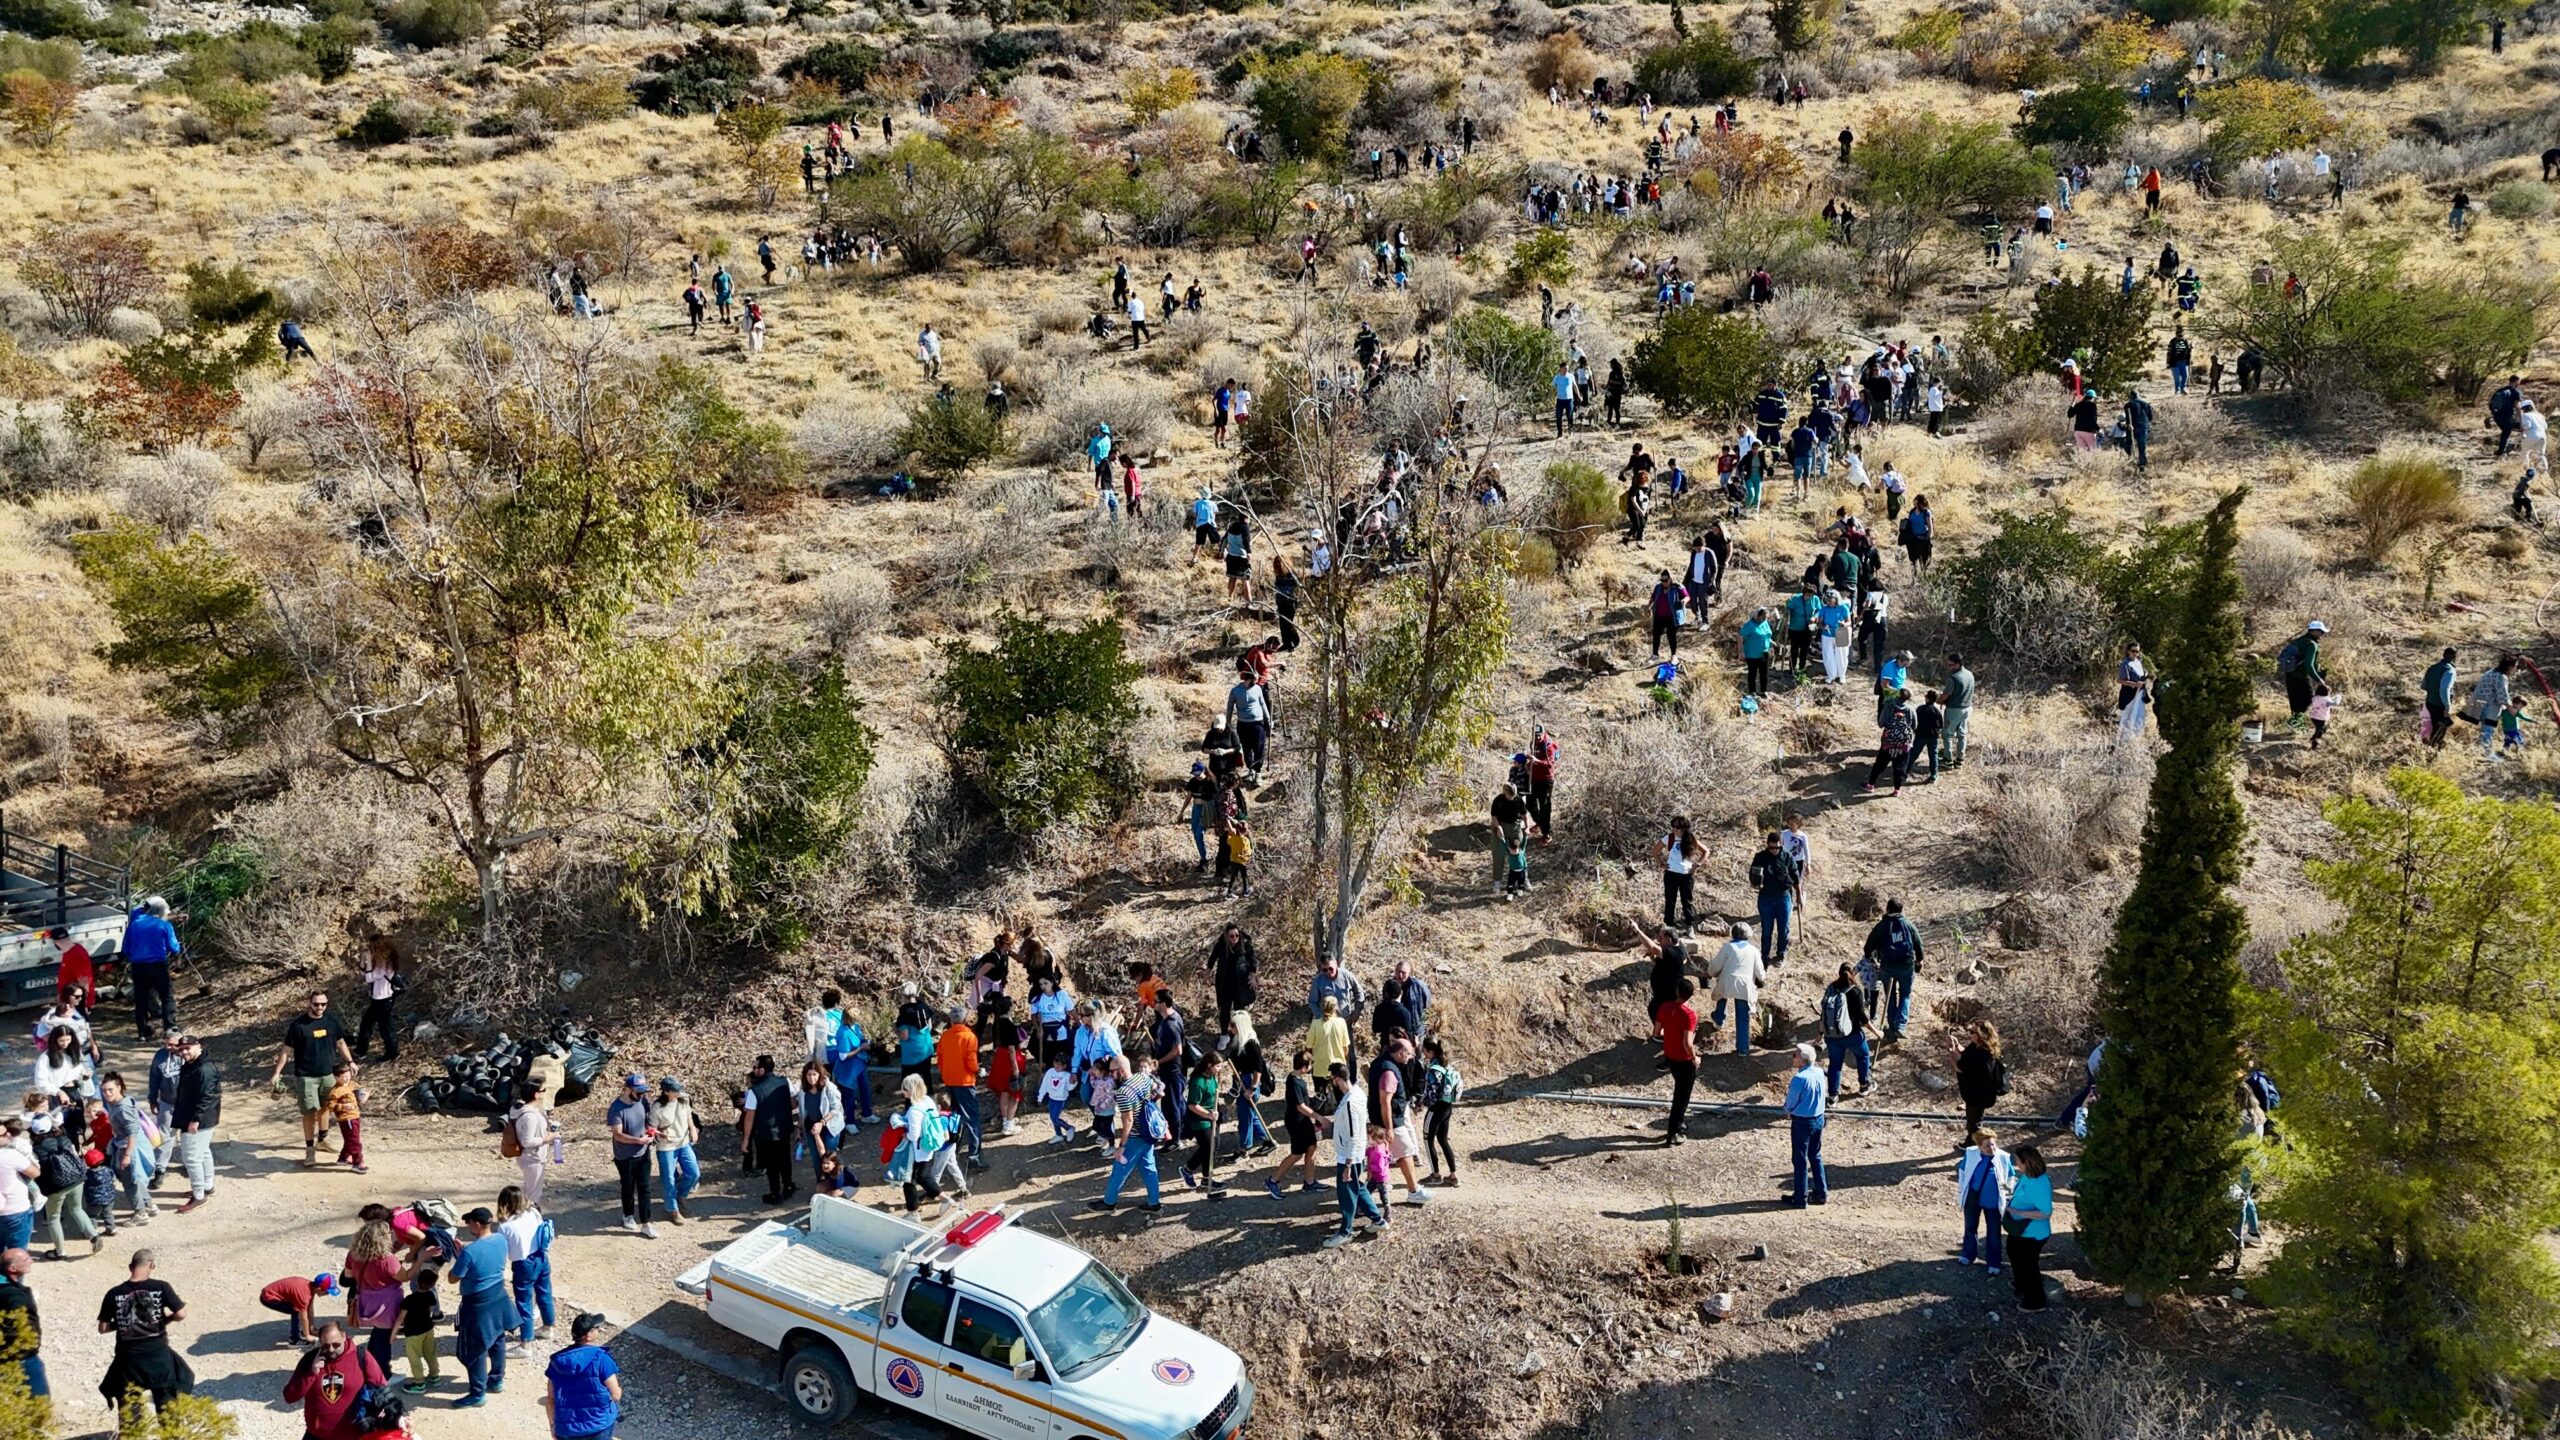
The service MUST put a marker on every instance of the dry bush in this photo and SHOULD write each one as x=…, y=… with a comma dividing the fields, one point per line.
x=1528, y=17
x=1114, y=546
x=1638, y=774
x=2274, y=563
x=42, y=453
x=271, y=413
x=176, y=491
x=1135, y=410
x=2398, y=493
x=132, y=327
x=2053, y=816
x=1001, y=534
x=1802, y=317
x=1562, y=61
x=2199, y=435
x=849, y=436
x=319, y=845
x=998, y=357
x=1219, y=364
x=2084, y=1383
x=851, y=606
x=2022, y=421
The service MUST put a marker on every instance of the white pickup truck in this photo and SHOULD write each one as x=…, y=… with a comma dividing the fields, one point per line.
x=986, y=1326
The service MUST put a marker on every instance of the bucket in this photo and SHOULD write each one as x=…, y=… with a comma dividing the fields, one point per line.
x=2253, y=731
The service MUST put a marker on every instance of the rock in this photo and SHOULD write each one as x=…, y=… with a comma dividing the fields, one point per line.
x=1436, y=969
x=2240, y=1294
x=1716, y=1307
x=1819, y=1367
x=1933, y=1082
x=424, y=1030
x=572, y=979
x=1530, y=1364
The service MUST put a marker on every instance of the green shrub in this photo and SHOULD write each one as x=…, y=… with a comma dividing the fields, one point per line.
x=1699, y=362
x=2051, y=594
x=1305, y=103
x=1040, y=723
x=52, y=59
x=703, y=76
x=190, y=617
x=1519, y=355
x=2078, y=120
x=798, y=755
x=571, y=101
x=2520, y=200
x=729, y=457
x=2088, y=318
x=1542, y=257
x=946, y=439
x=218, y=297
x=848, y=65
x=390, y=122
x=434, y=24
x=230, y=107
x=1704, y=66
x=1582, y=504
x=2396, y=495
x=45, y=19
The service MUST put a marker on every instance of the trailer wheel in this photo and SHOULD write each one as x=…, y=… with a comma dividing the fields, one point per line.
x=820, y=1386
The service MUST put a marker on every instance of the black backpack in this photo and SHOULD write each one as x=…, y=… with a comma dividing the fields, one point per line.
x=58, y=1165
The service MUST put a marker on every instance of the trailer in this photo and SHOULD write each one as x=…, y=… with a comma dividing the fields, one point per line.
x=48, y=890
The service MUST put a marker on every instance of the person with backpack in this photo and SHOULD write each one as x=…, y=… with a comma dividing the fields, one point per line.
x=527, y=1138
x=60, y=1173
x=2299, y=663
x=1442, y=1089
x=2437, y=690
x=1138, y=1119
x=2262, y=1088
x=1894, y=946
x=528, y=1233
x=1983, y=1178
x=331, y=1383
x=1982, y=1077
x=1846, y=1024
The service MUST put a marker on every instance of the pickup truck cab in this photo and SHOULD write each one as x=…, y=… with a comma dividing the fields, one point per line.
x=985, y=1326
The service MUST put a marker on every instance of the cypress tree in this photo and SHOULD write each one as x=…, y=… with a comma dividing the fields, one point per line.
x=2155, y=1182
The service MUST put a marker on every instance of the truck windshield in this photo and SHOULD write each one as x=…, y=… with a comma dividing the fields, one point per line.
x=1089, y=1322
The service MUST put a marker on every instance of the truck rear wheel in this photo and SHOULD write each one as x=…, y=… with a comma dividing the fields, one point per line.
x=820, y=1386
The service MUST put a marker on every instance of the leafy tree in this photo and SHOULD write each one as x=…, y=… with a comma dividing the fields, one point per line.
x=1918, y=168
x=1040, y=723
x=2114, y=51
x=2363, y=326
x=1737, y=167
x=1155, y=92
x=705, y=75
x=22, y=1412
x=1796, y=26
x=848, y=65
x=2254, y=116
x=1930, y=35
x=193, y=619
x=2411, y=1036
x=540, y=24
x=2050, y=592
x=1252, y=201
x=751, y=128
x=176, y=389
x=185, y=1417
x=916, y=197
x=38, y=108
x=1704, y=64
x=726, y=457
x=1542, y=257
x=2082, y=120
x=395, y=121
x=1305, y=102
x=2088, y=318
x=219, y=297
x=1700, y=362
x=2156, y=1177
x=946, y=439
x=1517, y=356
x=87, y=273
x=790, y=766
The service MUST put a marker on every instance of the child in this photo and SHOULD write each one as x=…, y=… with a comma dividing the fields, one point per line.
x=1376, y=1169
x=419, y=1313
x=944, y=1170
x=1054, y=1085
x=1143, y=976
x=293, y=1297
x=1101, y=1093
x=345, y=1106
x=2511, y=725
x=1239, y=857
x=98, y=1188
x=2322, y=707
x=2522, y=504
x=1515, y=865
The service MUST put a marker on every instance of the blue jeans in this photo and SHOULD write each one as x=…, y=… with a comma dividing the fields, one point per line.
x=532, y=1277
x=1842, y=1047
x=856, y=1094
x=1990, y=1221
x=36, y=1386
x=1249, y=1125
x=1351, y=1196
x=16, y=1230
x=964, y=1104
x=2178, y=379
x=1200, y=831
x=1776, y=913
x=1804, y=1143
x=1741, y=1024
x=1137, y=1156
x=678, y=1173
x=1897, y=999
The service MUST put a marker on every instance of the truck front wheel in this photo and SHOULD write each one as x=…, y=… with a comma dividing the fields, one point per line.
x=820, y=1386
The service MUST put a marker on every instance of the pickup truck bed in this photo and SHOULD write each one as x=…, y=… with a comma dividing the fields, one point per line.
x=809, y=1267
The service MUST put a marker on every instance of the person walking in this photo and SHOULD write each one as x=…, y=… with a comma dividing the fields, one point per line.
x=1544, y=757
x=2133, y=695
x=1983, y=1178
x=528, y=1233
x=1846, y=1024
x=1737, y=973
x=1776, y=881
x=383, y=983
x=2437, y=689
x=1807, y=1112
x=1959, y=703
x=315, y=1045
x=2491, y=695
x=59, y=1178
x=329, y=1381
x=1679, y=853
x=1982, y=1077
x=2028, y=1225
x=196, y=1110
x=1893, y=947
x=479, y=1274
x=628, y=1120
x=150, y=945
x=1442, y=1089
x=1350, y=1113
x=582, y=1387
x=1677, y=1022
x=2299, y=663
x=529, y=1138
x=139, y=1312
x=675, y=1131
x=821, y=1120
x=1137, y=1100
x=766, y=1120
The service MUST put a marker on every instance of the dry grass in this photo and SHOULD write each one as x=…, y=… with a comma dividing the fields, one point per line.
x=2054, y=815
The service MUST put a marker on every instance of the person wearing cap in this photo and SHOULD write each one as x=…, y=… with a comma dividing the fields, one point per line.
x=2299, y=663
x=150, y=943
x=480, y=1273
x=582, y=1387
x=291, y=1297
x=676, y=1132
x=628, y=1120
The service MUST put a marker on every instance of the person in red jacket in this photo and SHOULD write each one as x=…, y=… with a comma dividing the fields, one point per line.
x=327, y=1383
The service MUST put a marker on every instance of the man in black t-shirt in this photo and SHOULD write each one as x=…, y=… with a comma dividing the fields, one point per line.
x=139, y=1313
x=315, y=1045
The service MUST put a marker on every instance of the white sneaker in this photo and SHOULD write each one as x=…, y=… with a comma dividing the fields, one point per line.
x=1336, y=1240
x=1009, y=1128
x=517, y=1349
x=648, y=1232
x=1417, y=1197
x=629, y=1223
x=542, y=1334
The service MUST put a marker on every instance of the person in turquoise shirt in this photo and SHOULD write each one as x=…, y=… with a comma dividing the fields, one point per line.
x=1833, y=621
x=1802, y=607
x=1759, y=637
x=2030, y=1205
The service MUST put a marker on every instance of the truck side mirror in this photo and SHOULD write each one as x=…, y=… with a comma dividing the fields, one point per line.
x=1027, y=1372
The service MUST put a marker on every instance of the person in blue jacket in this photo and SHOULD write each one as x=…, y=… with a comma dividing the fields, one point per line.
x=150, y=943
x=849, y=1064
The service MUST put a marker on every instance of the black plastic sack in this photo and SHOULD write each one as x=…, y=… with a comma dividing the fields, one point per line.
x=587, y=1061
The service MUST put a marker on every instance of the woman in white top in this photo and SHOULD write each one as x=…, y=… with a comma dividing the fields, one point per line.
x=1679, y=852
x=62, y=1066
x=528, y=1267
x=18, y=1198
x=1983, y=1178
x=2133, y=694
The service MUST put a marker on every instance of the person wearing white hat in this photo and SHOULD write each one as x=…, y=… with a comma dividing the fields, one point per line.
x=2299, y=663
x=150, y=943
